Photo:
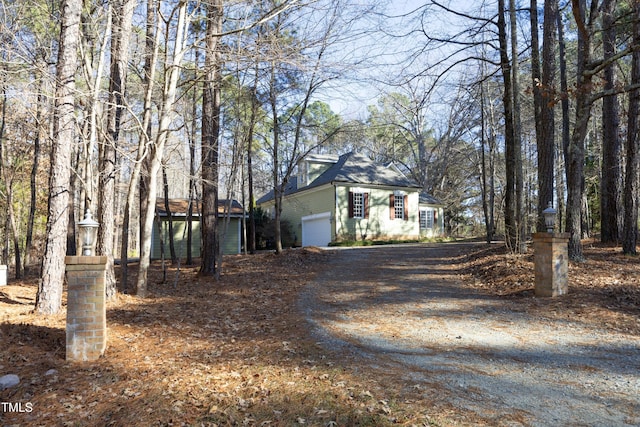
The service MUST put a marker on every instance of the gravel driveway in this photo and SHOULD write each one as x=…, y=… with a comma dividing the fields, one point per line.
x=404, y=305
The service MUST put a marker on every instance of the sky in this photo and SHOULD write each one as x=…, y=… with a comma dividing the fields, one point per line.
x=383, y=54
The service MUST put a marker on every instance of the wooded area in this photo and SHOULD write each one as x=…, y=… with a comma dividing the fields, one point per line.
x=110, y=105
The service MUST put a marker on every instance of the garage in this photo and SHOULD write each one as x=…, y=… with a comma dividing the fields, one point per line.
x=316, y=229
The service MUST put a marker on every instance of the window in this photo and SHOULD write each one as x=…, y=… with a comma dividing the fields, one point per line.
x=398, y=206
x=426, y=218
x=358, y=204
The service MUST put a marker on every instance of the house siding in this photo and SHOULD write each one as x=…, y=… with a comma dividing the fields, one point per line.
x=298, y=205
x=231, y=244
x=378, y=224
x=232, y=240
x=314, y=170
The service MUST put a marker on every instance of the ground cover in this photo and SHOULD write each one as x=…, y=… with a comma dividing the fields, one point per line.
x=238, y=352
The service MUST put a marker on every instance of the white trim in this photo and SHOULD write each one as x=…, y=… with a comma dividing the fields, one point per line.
x=316, y=216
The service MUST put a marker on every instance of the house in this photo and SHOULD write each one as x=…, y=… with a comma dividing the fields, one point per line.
x=230, y=234
x=350, y=197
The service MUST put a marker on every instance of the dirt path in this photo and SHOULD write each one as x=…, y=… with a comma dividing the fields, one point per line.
x=404, y=308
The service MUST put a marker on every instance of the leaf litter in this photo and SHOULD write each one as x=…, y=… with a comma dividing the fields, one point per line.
x=236, y=352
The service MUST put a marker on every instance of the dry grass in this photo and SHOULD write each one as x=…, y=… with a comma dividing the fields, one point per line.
x=238, y=352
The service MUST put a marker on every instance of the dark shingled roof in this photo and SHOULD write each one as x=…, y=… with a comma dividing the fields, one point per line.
x=178, y=207
x=352, y=168
x=428, y=199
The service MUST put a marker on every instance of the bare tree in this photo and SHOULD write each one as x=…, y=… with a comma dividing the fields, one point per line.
x=520, y=217
x=156, y=149
x=296, y=70
x=210, y=140
x=584, y=101
x=122, y=11
x=8, y=180
x=49, y=296
x=152, y=46
x=487, y=163
x=511, y=222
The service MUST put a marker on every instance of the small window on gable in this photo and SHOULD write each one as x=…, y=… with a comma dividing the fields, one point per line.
x=358, y=204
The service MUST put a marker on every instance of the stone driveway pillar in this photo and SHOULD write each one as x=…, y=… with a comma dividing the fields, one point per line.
x=551, y=259
x=86, y=308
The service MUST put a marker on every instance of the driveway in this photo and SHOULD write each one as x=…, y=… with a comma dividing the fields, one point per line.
x=406, y=305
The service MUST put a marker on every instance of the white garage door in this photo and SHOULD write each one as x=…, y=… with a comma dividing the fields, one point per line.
x=316, y=229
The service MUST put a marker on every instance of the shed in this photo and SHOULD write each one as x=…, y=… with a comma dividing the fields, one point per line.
x=230, y=214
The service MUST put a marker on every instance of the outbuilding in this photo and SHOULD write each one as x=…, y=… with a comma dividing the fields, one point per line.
x=230, y=214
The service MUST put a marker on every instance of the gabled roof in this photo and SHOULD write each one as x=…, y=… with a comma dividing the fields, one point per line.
x=428, y=199
x=179, y=207
x=352, y=168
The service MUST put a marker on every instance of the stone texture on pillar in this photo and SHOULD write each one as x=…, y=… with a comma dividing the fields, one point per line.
x=86, y=307
x=551, y=259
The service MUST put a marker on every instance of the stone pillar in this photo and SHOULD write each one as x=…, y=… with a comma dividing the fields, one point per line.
x=86, y=309
x=3, y=275
x=551, y=258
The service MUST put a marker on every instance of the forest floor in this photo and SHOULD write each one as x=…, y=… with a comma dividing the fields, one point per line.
x=238, y=351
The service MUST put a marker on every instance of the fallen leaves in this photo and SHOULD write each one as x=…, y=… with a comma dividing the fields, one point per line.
x=237, y=351
x=603, y=291
x=232, y=352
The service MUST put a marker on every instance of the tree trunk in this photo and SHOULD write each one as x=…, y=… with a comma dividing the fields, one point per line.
x=536, y=73
x=121, y=31
x=277, y=193
x=575, y=152
x=192, y=165
x=210, y=140
x=520, y=217
x=566, y=125
x=546, y=126
x=510, y=220
x=167, y=208
x=251, y=225
x=151, y=56
x=611, y=181
x=4, y=258
x=485, y=191
x=632, y=173
x=122, y=11
x=40, y=106
x=10, y=228
x=11, y=218
x=157, y=149
x=49, y=296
